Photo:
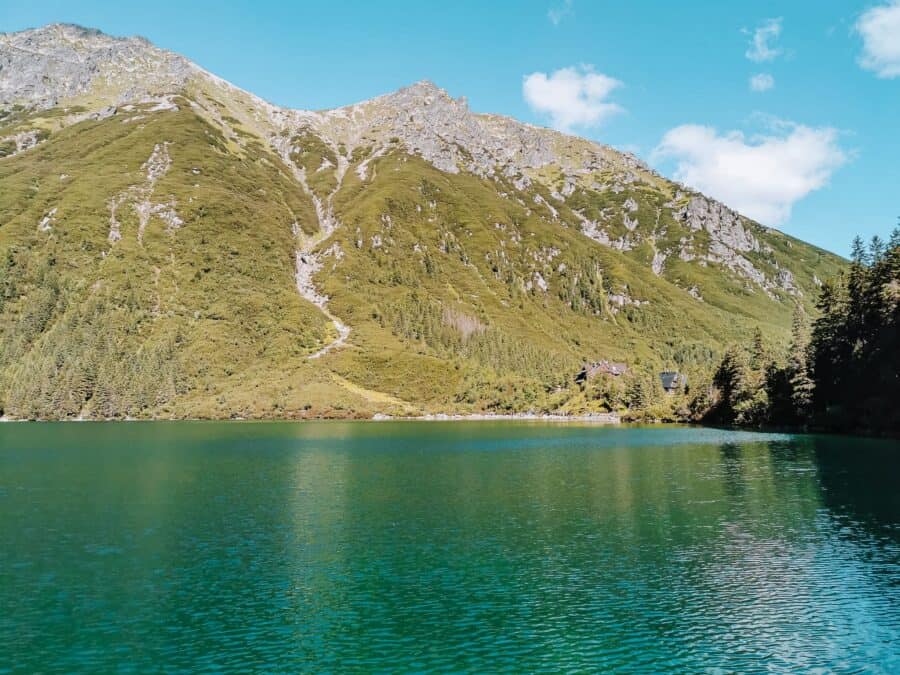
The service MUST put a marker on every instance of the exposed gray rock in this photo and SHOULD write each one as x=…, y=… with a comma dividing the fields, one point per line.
x=622, y=299
x=23, y=140
x=39, y=68
x=540, y=200
x=140, y=198
x=441, y=129
x=720, y=252
x=730, y=239
x=659, y=261
x=569, y=186
x=723, y=224
x=673, y=204
x=786, y=281
x=45, y=224
x=594, y=230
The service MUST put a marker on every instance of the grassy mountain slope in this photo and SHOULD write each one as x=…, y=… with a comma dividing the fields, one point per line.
x=187, y=314
x=186, y=249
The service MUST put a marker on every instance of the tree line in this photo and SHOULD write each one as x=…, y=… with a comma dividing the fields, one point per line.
x=841, y=371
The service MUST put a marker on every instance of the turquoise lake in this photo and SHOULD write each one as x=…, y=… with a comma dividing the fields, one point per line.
x=458, y=546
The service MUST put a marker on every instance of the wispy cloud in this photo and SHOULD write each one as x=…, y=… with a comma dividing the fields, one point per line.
x=761, y=176
x=559, y=12
x=761, y=82
x=762, y=41
x=880, y=31
x=571, y=97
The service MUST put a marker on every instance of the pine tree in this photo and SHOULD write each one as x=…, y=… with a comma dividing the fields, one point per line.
x=894, y=241
x=845, y=374
x=829, y=350
x=858, y=254
x=892, y=256
x=876, y=250
x=758, y=350
x=740, y=386
x=802, y=386
x=636, y=394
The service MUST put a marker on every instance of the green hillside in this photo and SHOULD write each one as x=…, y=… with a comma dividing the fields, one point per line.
x=187, y=260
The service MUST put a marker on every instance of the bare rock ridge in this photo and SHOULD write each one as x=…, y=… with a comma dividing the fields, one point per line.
x=91, y=74
x=45, y=67
x=439, y=128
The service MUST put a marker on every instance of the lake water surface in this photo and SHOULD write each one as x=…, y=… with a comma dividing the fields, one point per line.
x=477, y=546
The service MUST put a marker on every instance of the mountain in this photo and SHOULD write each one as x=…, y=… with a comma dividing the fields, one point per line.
x=173, y=246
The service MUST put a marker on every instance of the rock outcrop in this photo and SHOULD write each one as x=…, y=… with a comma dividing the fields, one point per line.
x=49, y=66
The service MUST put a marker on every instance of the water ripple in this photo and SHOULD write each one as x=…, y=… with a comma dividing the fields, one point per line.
x=482, y=548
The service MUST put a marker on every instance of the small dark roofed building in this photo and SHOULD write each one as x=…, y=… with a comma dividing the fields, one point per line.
x=591, y=370
x=673, y=381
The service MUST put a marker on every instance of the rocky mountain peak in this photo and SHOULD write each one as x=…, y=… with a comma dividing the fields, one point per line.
x=446, y=132
x=57, y=31
x=421, y=92
x=63, y=64
x=43, y=67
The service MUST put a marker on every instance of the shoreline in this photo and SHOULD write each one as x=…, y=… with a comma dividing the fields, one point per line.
x=595, y=418
x=598, y=419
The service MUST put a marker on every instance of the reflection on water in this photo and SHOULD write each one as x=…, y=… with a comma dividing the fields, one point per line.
x=473, y=546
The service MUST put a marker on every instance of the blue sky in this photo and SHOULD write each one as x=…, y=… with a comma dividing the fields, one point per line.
x=816, y=154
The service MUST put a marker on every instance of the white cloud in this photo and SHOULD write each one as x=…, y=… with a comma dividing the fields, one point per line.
x=762, y=82
x=761, y=177
x=880, y=31
x=761, y=48
x=571, y=97
x=560, y=12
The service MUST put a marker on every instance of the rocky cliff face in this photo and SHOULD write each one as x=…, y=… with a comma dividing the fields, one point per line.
x=60, y=64
x=428, y=122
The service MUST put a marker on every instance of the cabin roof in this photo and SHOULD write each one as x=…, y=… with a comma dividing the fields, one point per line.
x=672, y=379
x=604, y=367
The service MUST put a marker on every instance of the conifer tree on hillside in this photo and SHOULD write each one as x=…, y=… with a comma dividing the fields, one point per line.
x=844, y=374
x=853, y=355
x=801, y=384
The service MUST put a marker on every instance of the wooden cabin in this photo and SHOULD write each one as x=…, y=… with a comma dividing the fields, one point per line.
x=673, y=381
x=591, y=370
